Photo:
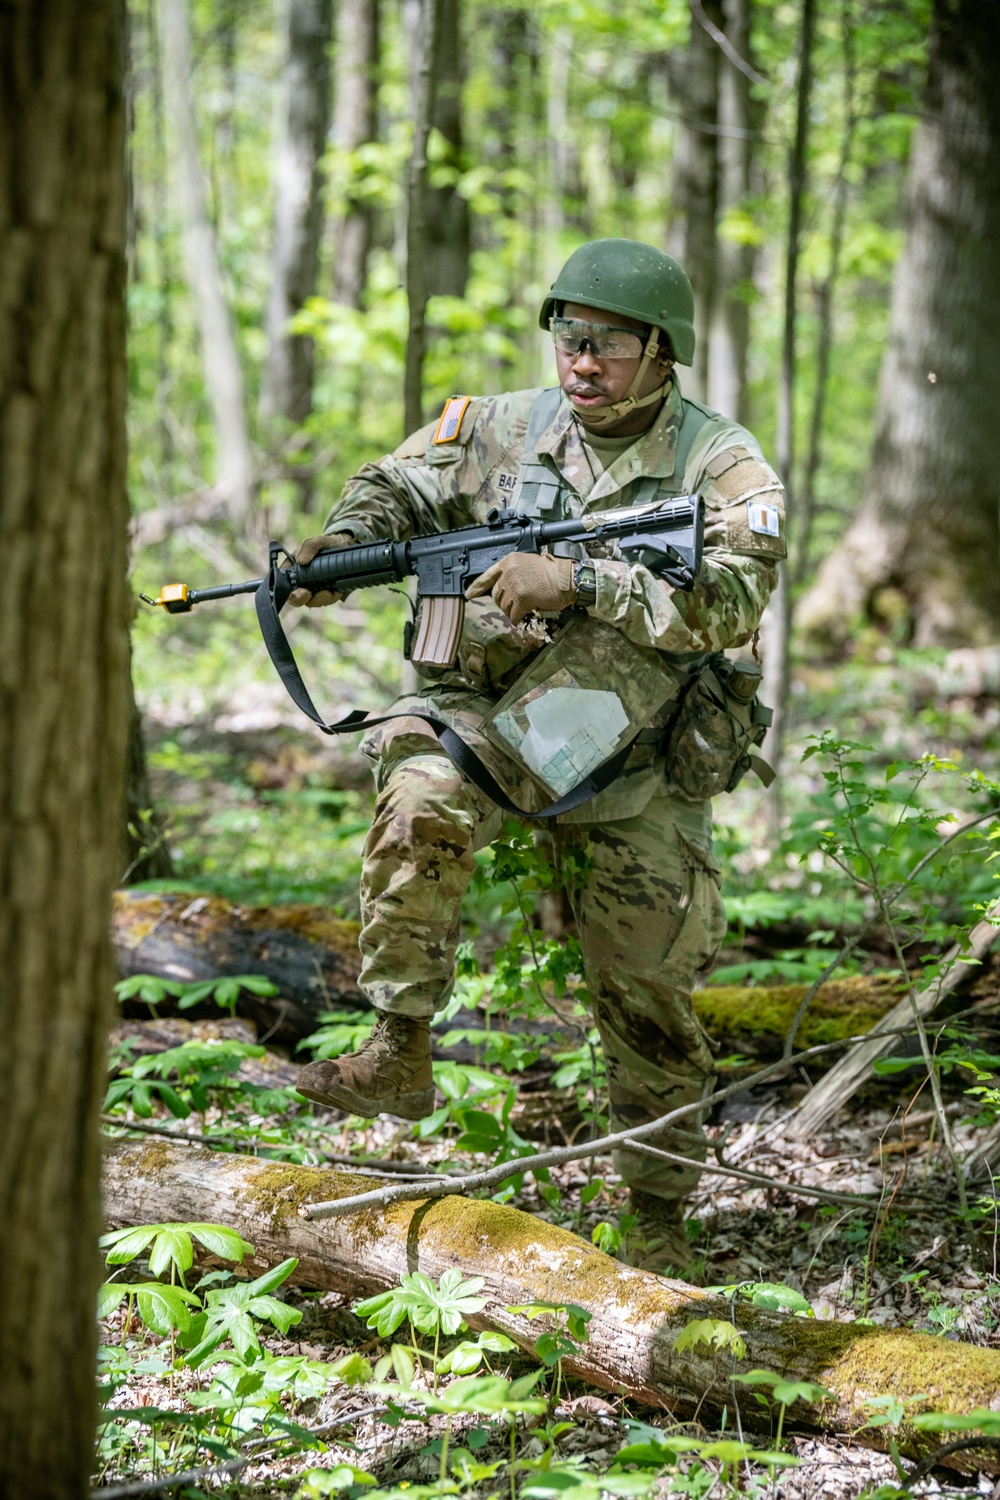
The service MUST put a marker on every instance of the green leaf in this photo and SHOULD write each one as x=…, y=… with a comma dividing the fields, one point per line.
x=164, y=1309
x=272, y=1279
x=403, y=1364
x=352, y=1369
x=716, y=1333
x=110, y=1296
x=270, y=1310
x=257, y=984
x=171, y=1246
x=980, y=1420
x=126, y=1244
x=220, y=1241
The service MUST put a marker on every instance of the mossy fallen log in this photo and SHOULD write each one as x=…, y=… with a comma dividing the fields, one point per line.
x=757, y=1020
x=311, y=956
x=636, y=1317
x=313, y=959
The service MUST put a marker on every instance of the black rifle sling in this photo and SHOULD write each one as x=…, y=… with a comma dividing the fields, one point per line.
x=270, y=597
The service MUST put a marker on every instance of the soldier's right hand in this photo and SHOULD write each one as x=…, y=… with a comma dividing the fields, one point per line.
x=311, y=548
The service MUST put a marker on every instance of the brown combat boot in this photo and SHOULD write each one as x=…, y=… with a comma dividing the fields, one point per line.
x=390, y=1074
x=658, y=1242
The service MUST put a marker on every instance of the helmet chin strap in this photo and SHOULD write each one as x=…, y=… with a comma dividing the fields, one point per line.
x=630, y=402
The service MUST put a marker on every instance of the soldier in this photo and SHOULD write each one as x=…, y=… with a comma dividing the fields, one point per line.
x=648, y=906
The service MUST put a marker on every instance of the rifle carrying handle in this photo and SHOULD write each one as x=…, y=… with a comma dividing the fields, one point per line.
x=439, y=630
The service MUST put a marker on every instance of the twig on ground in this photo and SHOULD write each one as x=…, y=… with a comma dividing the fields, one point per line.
x=169, y=1482
x=825, y=1195
x=494, y=1176
x=365, y=1165
x=321, y=1431
x=925, y=1465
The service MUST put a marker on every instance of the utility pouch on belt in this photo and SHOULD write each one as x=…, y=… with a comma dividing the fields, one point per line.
x=718, y=722
x=579, y=702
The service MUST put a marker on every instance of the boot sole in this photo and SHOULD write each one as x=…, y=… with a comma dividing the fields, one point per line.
x=413, y=1106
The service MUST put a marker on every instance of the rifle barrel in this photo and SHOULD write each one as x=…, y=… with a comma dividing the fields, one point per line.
x=224, y=591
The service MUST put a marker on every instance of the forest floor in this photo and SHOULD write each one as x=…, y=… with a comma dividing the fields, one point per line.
x=262, y=812
x=913, y=1262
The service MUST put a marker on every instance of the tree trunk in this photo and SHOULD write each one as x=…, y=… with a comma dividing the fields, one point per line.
x=286, y=391
x=448, y=227
x=220, y=359
x=776, y=625
x=146, y=852
x=355, y=122
x=694, y=78
x=825, y=292
x=728, y=334
x=416, y=214
x=636, y=1317
x=63, y=705
x=929, y=528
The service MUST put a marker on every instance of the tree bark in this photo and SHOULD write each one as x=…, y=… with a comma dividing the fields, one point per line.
x=63, y=704
x=448, y=220
x=146, y=852
x=636, y=1317
x=286, y=390
x=694, y=78
x=824, y=296
x=355, y=122
x=776, y=624
x=220, y=358
x=417, y=284
x=728, y=334
x=928, y=528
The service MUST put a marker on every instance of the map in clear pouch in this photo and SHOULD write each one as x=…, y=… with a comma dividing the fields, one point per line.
x=580, y=700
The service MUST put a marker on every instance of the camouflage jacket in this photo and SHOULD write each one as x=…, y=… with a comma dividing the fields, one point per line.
x=429, y=484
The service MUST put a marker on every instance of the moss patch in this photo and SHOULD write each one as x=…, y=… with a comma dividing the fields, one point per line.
x=762, y=1014
x=277, y=1191
x=311, y=922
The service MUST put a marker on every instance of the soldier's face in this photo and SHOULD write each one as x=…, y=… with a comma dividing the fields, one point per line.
x=592, y=383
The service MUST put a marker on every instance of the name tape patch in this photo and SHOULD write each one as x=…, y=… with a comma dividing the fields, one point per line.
x=451, y=419
x=763, y=518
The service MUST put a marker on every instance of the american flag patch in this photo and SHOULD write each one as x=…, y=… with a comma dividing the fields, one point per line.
x=451, y=419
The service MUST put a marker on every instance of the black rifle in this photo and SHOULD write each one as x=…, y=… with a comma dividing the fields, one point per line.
x=666, y=536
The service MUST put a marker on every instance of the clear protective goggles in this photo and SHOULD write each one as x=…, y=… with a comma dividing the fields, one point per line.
x=604, y=340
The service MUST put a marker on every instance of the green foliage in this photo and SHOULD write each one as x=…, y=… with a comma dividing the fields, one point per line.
x=225, y=992
x=715, y=1333
x=430, y=1308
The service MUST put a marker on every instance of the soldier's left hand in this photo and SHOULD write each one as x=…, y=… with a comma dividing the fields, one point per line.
x=526, y=581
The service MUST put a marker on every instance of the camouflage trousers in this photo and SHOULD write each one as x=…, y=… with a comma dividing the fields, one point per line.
x=650, y=919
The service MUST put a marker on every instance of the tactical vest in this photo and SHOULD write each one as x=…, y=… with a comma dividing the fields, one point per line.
x=541, y=492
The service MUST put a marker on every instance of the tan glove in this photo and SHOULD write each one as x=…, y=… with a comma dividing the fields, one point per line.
x=526, y=581
x=310, y=549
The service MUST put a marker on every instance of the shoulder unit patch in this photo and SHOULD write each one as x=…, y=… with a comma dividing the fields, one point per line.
x=450, y=422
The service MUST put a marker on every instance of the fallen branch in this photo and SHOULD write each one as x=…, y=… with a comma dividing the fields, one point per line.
x=169, y=1481
x=493, y=1177
x=846, y=1077
x=758, y=1179
x=636, y=1317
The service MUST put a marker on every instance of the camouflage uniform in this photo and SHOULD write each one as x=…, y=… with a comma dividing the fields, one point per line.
x=649, y=911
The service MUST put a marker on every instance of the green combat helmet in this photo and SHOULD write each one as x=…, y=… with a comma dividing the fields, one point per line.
x=628, y=277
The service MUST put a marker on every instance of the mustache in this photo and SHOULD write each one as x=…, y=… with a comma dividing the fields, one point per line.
x=585, y=388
